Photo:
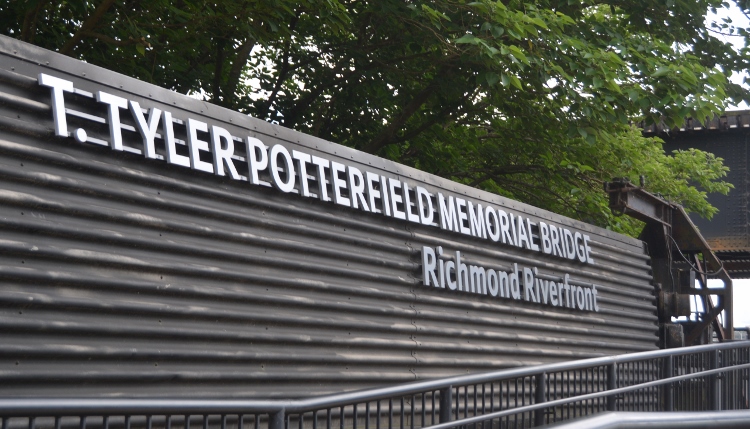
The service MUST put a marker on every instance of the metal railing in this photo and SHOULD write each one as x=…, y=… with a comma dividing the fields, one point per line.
x=703, y=378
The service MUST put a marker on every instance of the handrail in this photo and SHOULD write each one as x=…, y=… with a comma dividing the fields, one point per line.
x=278, y=411
x=585, y=397
x=661, y=420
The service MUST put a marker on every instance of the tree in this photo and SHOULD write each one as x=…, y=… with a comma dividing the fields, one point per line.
x=531, y=101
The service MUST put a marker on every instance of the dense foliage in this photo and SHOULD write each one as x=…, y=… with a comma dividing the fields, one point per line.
x=531, y=101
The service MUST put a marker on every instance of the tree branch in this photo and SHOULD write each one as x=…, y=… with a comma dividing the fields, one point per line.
x=305, y=102
x=285, y=69
x=218, y=69
x=442, y=114
x=29, y=22
x=109, y=40
x=235, y=73
x=387, y=134
x=88, y=25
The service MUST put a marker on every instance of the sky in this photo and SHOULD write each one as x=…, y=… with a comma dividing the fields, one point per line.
x=741, y=287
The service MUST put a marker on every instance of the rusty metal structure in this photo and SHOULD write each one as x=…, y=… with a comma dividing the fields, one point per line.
x=682, y=263
x=726, y=136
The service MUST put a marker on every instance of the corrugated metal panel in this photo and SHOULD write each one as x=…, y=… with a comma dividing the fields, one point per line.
x=124, y=276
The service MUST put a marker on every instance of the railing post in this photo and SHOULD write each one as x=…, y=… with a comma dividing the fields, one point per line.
x=612, y=385
x=668, y=391
x=714, y=383
x=540, y=397
x=446, y=404
x=277, y=420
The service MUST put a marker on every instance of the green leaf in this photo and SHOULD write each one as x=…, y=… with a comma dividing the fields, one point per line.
x=515, y=82
x=661, y=71
x=518, y=54
x=467, y=38
x=492, y=78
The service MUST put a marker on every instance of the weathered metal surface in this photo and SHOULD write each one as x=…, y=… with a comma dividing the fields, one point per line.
x=726, y=136
x=681, y=256
x=127, y=276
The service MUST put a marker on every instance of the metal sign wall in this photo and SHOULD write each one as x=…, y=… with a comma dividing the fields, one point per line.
x=154, y=244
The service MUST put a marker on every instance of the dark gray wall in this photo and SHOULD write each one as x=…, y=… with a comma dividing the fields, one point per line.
x=123, y=276
x=729, y=229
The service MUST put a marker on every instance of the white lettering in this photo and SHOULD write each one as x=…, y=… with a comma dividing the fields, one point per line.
x=462, y=216
x=58, y=101
x=428, y=266
x=476, y=221
x=357, y=188
x=302, y=159
x=409, y=205
x=273, y=157
x=257, y=158
x=394, y=184
x=339, y=184
x=168, y=128
x=448, y=218
x=372, y=193
x=426, y=211
x=544, y=238
x=114, y=104
x=322, y=189
x=223, y=153
x=195, y=146
x=147, y=129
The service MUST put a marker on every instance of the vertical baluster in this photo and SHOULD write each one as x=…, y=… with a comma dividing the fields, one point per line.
x=412, y=414
x=401, y=414
x=457, y=409
x=424, y=409
x=475, y=404
x=515, y=404
x=715, y=382
x=377, y=419
x=523, y=400
x=466, y=401
x=390, y=413
x=552, y=395
x=492, y=403
x=432, y=399
x=277, y=420
x=540, y=396
x=668, y=388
